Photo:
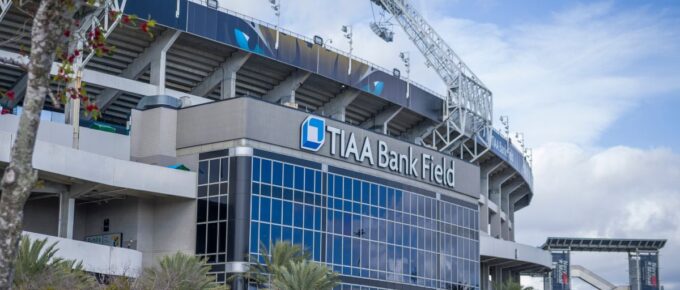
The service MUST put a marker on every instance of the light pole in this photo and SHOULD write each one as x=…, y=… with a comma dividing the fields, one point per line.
x=276, y=6
x=406, y=59
x=520, y=139
x=347, y=32
x=506, y=125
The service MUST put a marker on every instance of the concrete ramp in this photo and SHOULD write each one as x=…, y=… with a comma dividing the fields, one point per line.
x=591, y=278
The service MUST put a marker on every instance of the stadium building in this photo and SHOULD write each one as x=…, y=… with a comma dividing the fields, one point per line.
x=216, y=138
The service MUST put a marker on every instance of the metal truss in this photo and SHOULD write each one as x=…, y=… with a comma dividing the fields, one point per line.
x=100, y=17
x=5, y=5
x=468, y=108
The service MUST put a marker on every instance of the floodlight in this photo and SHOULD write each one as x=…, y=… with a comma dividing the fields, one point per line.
x=318, y=40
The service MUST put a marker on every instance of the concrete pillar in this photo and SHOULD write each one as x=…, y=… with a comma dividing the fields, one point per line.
x=634, y=270
x=67, y=207
x=484, y=208
x=487, y=168
x=380, y=121
x=484, y=277
x=157, y=75
x=337, y=107
x=495, y=194
x=284, y=92
x=225, y=74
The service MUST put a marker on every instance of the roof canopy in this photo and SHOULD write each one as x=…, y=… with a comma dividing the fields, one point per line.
x=603, y=245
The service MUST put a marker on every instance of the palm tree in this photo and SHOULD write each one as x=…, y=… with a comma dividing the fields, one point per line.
x=288, y=267
x=177, y=272
x=37, y=267
x=304, y=275
x=510, y=285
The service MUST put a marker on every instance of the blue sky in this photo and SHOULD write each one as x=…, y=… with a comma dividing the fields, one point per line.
x=650, y=123
x=593, y=85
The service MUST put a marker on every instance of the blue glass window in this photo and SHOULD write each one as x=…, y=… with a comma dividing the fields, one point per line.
x=276, y=211
x=287, y=213
x=256, y=169
x=265, y=210
x=288, y=175
x=266, y=171
x=298, y=215
x=299, y=178
x=277, y=171
x=309, y=180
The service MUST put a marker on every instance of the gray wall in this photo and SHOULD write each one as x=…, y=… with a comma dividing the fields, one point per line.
x=157, y=227
x=42, y=216
x=94, y=141
x=245, y=118
x=152, y=136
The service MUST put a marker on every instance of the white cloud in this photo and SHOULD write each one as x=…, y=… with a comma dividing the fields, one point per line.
x=563, y=82
x=618, y=192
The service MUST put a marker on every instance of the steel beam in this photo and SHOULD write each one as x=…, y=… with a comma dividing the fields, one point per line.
x=154, y=53
x=382, y=119
x=418, y=131
x=225, y=74
x=284, y=92
x=337, y=106
x=117, y=82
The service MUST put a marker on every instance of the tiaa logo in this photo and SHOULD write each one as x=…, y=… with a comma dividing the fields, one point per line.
x=312, y=133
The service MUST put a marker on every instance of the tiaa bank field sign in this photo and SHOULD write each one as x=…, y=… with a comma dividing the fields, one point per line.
x=315, y=133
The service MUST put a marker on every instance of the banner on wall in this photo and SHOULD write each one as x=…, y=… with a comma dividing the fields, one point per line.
x=649, y=272
x=560, y=272
x=109, y=239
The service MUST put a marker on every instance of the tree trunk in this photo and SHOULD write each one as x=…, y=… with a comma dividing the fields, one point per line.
x=51, y=19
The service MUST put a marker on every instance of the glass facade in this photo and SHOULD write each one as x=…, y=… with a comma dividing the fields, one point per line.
x=364, y=227
x=211, y=217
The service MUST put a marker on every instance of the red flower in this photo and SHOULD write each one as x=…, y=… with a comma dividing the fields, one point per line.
x=144, y=26
x=71, y=58
x=10, y=95
x=5, y=111
x=76, y=52
x=126, y=19
x=67, y=33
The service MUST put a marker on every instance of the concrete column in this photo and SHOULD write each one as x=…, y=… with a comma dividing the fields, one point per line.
x=380, y=121
x=484, y=277
x=496, y=276
x=157, y=75
x=495, y=195
x=284, y=92
x=336, y=107
x=634, y=270
x=487, y=168
x=239, y=214
x=225, y=74
x=67, y=206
